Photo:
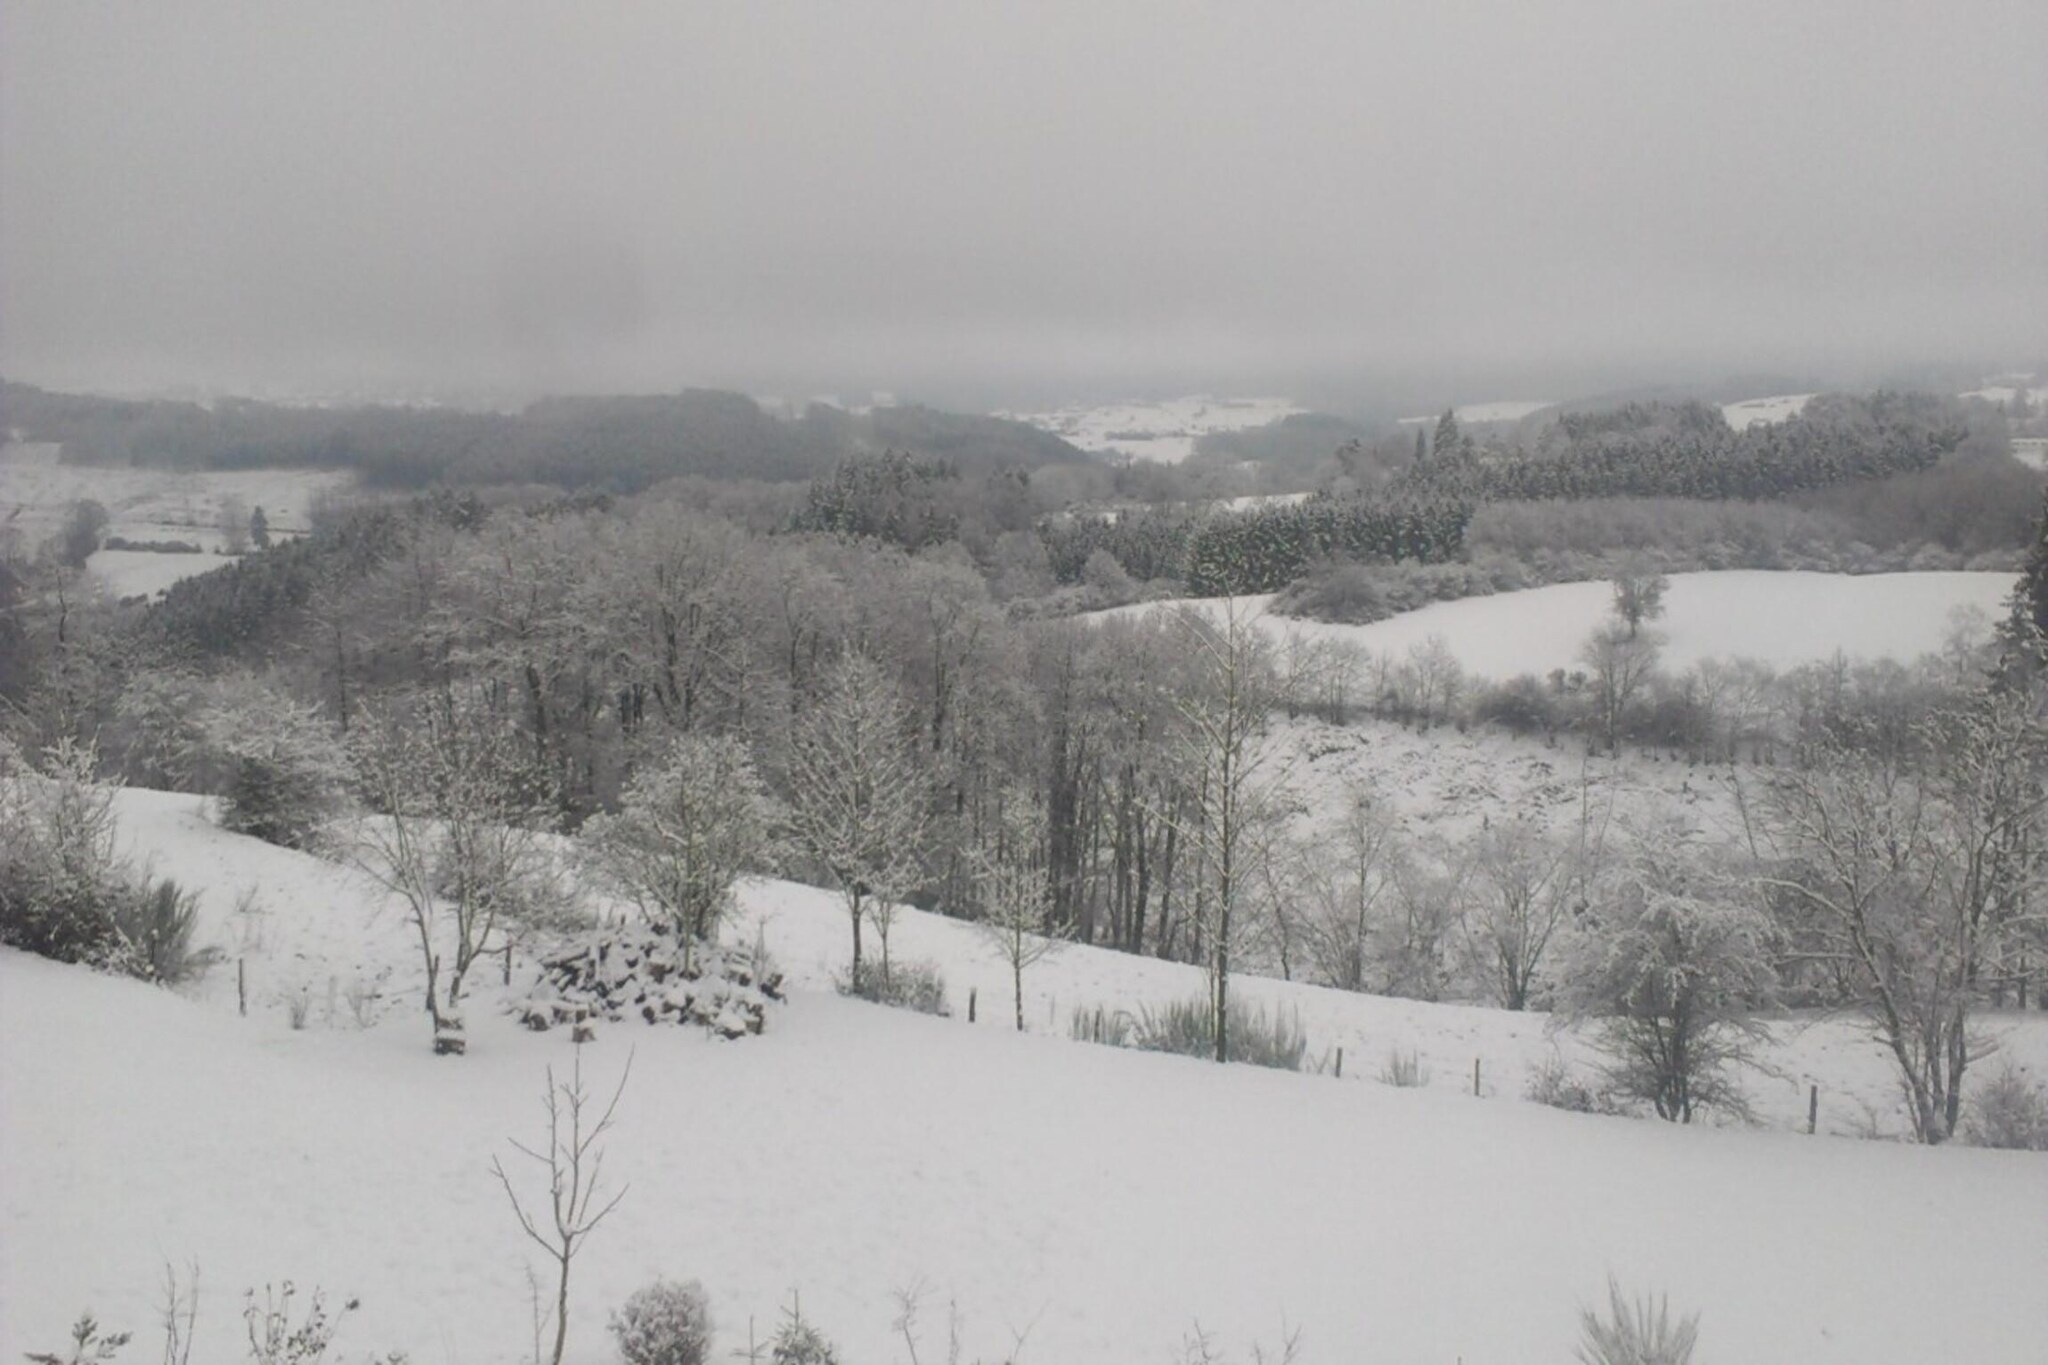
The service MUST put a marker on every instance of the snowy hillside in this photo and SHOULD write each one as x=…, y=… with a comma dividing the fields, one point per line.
x=1095, y=1201
x=1778, y=618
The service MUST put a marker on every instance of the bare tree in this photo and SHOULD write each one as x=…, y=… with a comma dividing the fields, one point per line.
x=1638, y=594
x=459, y=811
x=1016, y=893
x=1619, y=663
x=857, y=798
x=1346, y=879
x=1439, y=677
x=1227, y=772
x=575, y=1167
x=1412, y=944
x=1520, y=889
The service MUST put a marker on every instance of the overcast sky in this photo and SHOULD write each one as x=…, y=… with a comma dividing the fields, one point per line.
x=779, y=196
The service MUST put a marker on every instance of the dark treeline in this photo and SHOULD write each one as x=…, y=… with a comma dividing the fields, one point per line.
x=1687, y=450
x=621, y=444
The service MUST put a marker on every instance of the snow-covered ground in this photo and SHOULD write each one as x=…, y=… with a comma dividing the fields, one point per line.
x=1757, y=412
x=1253, y=501
x=1500, y=410
x=1780, y=618
x=133, y=573
x=1164, y=432
x=1098, y=1202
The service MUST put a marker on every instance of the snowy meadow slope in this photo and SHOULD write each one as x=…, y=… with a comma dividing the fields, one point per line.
x=1778, y=617
x=1094, y=1200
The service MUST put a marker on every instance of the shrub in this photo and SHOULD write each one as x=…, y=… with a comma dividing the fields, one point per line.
x=919, y=986
x=1404, y=1069
x=276, y=1339
x=88, y=1346
x=1553, y=1084
x=664, y=1324
x=1641, y=1333
x=1188, y=1027
x=1097, y=1025
x=156, y=921
x=60, y=880
x=2009, y=1111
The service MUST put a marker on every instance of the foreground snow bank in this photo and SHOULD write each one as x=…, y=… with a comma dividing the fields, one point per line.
x=1098, y=1199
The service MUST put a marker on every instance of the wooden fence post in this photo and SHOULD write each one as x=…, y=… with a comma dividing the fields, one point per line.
x=1475, y=1078
x=971, y=993
x=1812, y=1108
x=1340, y=1063
x=242, y=987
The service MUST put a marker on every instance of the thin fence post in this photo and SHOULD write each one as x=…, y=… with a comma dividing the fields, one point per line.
x=1475, y=1078
x=1812, y=1108
x=1340, y=1063
x=508, y=961
x=242, y=987
x=971, y=994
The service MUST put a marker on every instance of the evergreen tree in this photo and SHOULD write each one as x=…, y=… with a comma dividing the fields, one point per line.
x=1449, y=440
x=259, y=529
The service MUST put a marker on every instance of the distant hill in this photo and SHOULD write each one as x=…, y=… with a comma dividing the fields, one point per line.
x=620, y=444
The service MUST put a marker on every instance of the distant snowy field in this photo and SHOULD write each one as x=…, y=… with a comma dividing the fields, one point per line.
x=36, y=494
x=1162, y=432
x=1756, y=412
x=2003, y=394
x=1776, y=617
x=1097, y=1202
x=1502, y=410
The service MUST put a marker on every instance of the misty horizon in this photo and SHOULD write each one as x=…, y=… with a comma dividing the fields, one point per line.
x=995, y=207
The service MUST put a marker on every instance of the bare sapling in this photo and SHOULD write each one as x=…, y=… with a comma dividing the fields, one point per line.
x=575, y=1203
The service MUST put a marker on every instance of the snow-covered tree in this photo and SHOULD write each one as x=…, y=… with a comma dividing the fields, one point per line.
x=283, y=771
x=1671, y=962
x=459, y=810
x=1015, y=892
x=234, y=524
x=857, y=798
x=690, y=822
x=1915, y=887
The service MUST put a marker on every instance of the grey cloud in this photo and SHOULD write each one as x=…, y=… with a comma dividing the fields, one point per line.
x=617, y=196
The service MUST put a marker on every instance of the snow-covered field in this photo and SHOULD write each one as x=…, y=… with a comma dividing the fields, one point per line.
x=1756, y=412
x=1164, y=432
x=1098, y=1202
x=36, y=494
x=1499, y=410
x=2003, y=394
x=1778, y=618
